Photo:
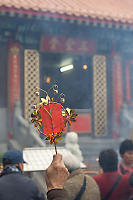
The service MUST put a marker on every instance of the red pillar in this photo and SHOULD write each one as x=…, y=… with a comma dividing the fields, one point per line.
x=13, y=79
x=117, y=93
x=129, y=71
x=128, y=92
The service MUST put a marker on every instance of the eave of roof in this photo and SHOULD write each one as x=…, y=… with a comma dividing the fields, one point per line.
x=118, y=12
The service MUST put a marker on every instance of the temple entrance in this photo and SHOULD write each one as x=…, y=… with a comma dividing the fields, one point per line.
x=76, y=83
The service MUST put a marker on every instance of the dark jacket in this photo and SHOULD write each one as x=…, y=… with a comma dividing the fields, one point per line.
x=15, y=186
x=57, y=194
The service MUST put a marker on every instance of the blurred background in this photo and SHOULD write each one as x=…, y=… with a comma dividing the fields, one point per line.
x=86, y=48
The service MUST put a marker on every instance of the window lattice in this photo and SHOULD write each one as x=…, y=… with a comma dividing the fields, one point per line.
x=31, y=80
x=100, y=95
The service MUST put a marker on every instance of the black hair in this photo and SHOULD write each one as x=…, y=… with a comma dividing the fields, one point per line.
x=108, y=160
x=125, y=146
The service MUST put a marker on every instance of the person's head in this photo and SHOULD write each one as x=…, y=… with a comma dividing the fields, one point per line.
x=108, y=160
x=13, y=157
x=71, y=162
x=126, y=151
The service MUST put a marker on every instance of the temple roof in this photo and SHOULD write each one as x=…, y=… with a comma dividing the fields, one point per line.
x=116, y=10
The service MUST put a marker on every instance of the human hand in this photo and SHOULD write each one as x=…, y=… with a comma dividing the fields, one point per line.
x=56, y=173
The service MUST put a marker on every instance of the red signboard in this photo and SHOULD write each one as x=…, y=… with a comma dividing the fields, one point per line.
x=82, y=124
x=67, y=44
x=14, y=75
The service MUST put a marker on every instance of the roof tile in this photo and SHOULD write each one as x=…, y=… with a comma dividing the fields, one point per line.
x=118, y=10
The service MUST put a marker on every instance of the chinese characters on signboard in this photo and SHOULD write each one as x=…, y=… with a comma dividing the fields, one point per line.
x=67, y=44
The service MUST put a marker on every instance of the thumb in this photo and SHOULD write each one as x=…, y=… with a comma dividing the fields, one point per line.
x=57, y=158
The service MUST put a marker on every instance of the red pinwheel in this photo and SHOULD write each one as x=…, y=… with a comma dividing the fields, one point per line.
x=52, y=119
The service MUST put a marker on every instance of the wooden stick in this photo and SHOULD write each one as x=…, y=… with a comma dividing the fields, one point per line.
x=52, y=127
x=55, y=147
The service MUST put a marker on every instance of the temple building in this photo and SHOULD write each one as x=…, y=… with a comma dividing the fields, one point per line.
x=94, y=37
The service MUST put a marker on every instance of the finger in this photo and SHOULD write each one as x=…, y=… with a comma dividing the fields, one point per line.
x=57, y=157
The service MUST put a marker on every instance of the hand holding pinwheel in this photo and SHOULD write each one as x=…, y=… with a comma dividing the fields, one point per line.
x=51, y=116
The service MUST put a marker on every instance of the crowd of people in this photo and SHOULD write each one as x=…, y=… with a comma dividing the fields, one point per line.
x=66, y=181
